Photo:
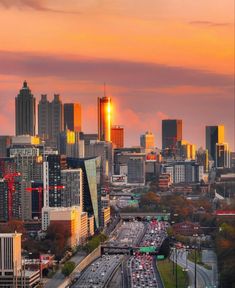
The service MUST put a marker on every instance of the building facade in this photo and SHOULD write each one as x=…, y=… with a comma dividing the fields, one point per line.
x=147, y=141
x=57, y=119
x=44, y=118
x=73, y=117
x=104, y=118
x=25, y=112
x=72, y=194
x=222, y=156
x=91, y=171
x=214, y=134
x=171, y=134
x=117, y=136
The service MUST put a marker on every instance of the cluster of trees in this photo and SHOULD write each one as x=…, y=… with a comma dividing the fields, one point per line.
x=12, y=226
x=68, y=268
x=94, y=242
x=55, y=242
x=225, y=247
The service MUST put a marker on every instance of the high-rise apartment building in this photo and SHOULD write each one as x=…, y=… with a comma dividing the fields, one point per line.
x=73, y=117
x=44, y=118
x=147, y=141
x=25, y=112
x=72, y=180
x=214, y=134
x=117, y=136
x=171, y=134
x=104, y=118
x=55, y=164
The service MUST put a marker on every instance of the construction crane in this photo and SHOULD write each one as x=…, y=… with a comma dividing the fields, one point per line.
x=10, y=179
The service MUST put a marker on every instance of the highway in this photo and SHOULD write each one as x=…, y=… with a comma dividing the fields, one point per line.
x=99, y=272
x=134, y=271
x=204, y=276
x=128, y=234
x=142, y=267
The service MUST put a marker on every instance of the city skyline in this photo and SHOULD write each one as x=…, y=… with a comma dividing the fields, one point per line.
x=150, y=73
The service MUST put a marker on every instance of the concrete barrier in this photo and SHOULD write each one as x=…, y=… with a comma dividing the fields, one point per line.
x=81, y=266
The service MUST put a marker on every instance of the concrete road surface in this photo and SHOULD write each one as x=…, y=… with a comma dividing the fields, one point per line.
x=205, y=277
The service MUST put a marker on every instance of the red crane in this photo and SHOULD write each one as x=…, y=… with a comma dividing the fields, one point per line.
x=10, y=179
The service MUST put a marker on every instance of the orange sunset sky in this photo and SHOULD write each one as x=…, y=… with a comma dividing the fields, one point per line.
x=159, y=58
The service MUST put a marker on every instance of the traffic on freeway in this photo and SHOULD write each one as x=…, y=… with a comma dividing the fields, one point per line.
x=155, y=234
x=128, y=234
x=142, y=267
x=99, y=272
x=142, y=271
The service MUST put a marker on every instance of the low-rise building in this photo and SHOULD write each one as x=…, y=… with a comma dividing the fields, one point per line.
x=105, y=216
x=164, y=181
x=187, y=228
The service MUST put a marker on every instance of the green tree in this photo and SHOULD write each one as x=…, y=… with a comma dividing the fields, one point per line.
x=68, y=268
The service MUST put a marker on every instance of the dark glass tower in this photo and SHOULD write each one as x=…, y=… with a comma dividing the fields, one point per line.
x=214, y=135
x=73, y=117
x=171, y=133
x=25, y=113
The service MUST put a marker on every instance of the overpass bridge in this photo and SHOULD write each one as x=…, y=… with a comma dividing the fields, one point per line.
x=147, y=215
x=128, y=250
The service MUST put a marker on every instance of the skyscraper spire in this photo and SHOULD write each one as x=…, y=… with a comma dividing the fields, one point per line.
x=104, y=89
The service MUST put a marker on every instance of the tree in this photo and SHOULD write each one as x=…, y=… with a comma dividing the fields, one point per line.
x=68, y=268
x=58, y=235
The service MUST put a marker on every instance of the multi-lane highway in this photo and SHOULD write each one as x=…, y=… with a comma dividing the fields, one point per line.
x=99, y=272
x=142, y=267
x=129, y=234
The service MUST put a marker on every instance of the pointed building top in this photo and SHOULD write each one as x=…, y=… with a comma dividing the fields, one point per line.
x=25, y=84
x=104, y=89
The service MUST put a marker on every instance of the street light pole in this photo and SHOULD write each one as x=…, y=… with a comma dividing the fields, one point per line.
x=195, y=267
x=176, y=274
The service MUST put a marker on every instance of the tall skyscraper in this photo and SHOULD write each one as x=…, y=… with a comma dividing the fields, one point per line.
x=57, y=118
x=171, y=133
x=91, y=171
x=44, y=118
x=117, y=136
x=214, y=134
x=104, y=118
x=73, y=117
x=147, y=141
x=25, y=112
x=222, y=156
